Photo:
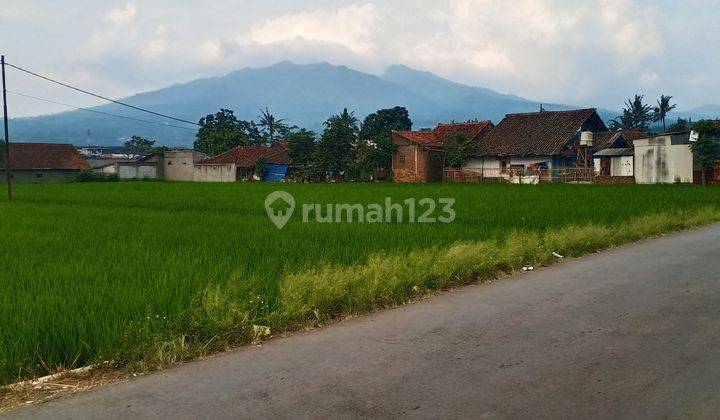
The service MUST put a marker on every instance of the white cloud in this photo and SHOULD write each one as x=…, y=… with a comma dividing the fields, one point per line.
x=352, y=27
x=122, y=16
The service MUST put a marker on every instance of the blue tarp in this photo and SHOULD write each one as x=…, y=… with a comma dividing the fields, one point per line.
x=276, y=172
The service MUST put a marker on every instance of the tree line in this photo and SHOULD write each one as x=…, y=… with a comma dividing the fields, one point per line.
x=346, y=148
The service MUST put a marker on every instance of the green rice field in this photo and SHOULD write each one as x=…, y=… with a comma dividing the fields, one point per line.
x=147, y=273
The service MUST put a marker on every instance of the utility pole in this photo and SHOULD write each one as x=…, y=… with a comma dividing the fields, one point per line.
x=8, y=175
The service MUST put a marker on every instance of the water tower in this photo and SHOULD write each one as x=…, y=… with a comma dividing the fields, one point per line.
x=583, y=151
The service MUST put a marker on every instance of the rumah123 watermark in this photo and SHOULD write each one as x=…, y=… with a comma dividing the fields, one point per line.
x=280, y=207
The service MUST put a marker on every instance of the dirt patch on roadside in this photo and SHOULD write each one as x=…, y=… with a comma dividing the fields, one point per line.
x=61, y=385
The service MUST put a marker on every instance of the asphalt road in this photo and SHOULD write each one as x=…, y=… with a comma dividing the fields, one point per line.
x=630, y=333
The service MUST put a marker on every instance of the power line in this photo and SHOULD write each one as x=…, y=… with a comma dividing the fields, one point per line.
x=98, y=112
x=98, y=96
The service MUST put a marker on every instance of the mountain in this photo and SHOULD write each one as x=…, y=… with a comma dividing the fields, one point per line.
x=705, y=111
x=304, y=95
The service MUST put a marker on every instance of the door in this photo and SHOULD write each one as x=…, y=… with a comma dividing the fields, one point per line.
x=605, y=166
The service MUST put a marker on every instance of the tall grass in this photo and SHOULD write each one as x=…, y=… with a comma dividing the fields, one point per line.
x=149, y=273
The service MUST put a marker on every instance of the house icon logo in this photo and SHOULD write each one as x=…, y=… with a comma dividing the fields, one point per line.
x=280, y=206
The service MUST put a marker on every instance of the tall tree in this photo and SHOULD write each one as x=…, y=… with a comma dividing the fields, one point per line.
x=636, y=115
x=336, y=149
x=705, y=148
x=458, y=149
x=270, y=125
x=139, y=145
x=384, y=121
x=376, y=136
x=302, y=147
x=222, y=131
x=663, y=108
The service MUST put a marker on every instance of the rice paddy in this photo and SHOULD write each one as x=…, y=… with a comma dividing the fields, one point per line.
x=147, y=273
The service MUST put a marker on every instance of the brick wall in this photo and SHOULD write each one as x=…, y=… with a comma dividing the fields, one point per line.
x=414, y=163
x=607, y=180
x=404, y=164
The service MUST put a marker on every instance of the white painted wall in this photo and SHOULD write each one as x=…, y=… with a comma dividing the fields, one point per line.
x=622, y=166
x=657, y=161
x=492, y=164
x=215, y=173
x=135, y=171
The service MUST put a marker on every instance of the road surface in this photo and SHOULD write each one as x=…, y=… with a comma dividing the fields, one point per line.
x=630, y=333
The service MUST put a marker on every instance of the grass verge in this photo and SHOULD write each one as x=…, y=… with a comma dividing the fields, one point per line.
x=329, y=293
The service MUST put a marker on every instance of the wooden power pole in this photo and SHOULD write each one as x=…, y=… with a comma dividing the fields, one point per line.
x=8, y=175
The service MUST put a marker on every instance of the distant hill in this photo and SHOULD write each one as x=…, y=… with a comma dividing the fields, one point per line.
x=305, y=95
x=705, y=111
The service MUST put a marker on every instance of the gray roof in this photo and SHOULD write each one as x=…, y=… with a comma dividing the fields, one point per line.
x=626, y=151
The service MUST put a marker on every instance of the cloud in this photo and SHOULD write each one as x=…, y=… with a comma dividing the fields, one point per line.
x=352, y=27
x=122, y=16
x=593, y=52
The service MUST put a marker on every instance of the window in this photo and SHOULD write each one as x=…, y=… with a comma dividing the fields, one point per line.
x=402, y=158
x=169, y=162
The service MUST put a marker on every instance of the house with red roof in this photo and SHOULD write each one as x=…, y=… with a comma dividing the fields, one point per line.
x=418, y=155
x=539, y=140
x=44, y=163
x=238, y=163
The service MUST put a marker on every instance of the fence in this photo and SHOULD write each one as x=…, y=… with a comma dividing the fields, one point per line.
x=520, y=175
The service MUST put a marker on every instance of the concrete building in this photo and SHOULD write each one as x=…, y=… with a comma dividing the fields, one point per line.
x=179, y=165
x=148, y=167
x=418, y=155
x=664, y=159
x=44, y=163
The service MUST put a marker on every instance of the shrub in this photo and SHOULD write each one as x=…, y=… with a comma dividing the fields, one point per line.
x=92, y=176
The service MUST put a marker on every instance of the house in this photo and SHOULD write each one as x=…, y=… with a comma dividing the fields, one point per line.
x=613, y=157
x=239, y=163
x=667, y=158
x=418, y=155
x=44, y=163
x=539, y=140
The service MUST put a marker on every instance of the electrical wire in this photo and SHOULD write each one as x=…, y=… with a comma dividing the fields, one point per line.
x=97, y=112
x=98, y=96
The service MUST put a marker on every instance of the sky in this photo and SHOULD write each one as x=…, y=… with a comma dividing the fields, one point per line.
x=580, y=52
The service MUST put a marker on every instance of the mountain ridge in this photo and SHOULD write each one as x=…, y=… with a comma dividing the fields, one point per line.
x=303, y=94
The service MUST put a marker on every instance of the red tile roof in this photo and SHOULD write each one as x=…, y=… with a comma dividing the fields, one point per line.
x=284, y=144
x=45, y=156
x=247, y=156
x=631, y=135
x=436, y=138
x=423, y=138
x=445, y=131
x=540, y=133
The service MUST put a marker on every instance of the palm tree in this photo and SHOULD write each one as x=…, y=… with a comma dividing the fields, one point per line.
x=636, y=115
x=663, y=109
x=269, y=123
